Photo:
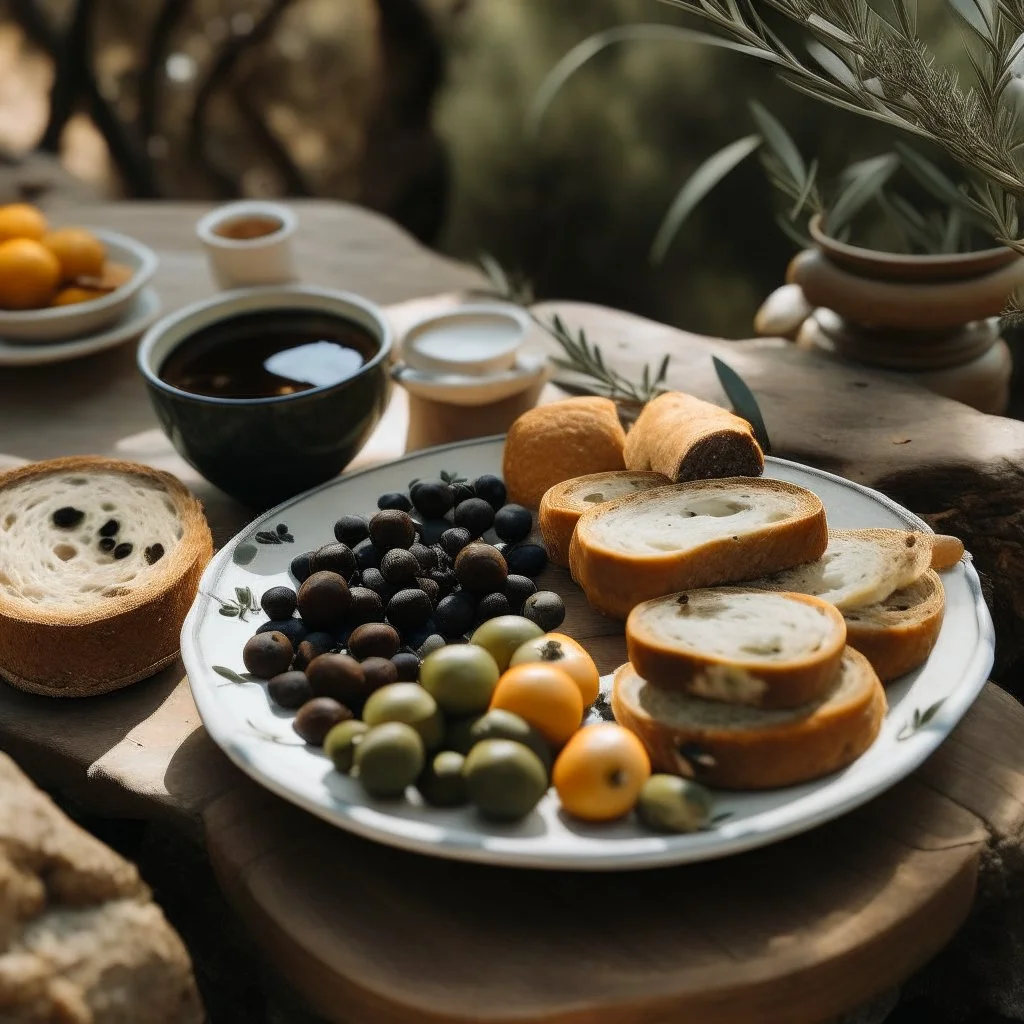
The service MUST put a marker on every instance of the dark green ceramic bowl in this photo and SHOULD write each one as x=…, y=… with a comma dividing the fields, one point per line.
x=262, y=451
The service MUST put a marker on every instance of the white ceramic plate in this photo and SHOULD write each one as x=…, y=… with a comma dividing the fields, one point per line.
x=259, y=739
x=141, y=312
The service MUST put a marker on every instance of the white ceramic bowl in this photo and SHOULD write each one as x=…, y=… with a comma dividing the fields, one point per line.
x=66, y=323
x=265, y=260
x=475, y=340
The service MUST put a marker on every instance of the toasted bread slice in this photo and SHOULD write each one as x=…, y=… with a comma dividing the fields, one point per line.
x=563, y=504
x=897, y=634
x=739, y=646
x=735, y=747
x=859, y=567
x=685, y=438
x=699, y=534
x=99, y=564
x=558, y=441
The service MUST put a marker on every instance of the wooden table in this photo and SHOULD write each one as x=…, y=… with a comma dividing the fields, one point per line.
x=798, y=932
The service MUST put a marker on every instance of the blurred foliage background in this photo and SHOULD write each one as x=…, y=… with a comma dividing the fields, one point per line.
x=416, y=108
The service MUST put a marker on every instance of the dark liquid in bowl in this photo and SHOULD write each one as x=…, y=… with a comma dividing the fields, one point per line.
x=269, y=353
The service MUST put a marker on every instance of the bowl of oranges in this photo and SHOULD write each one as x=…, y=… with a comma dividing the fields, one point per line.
x=61, y=283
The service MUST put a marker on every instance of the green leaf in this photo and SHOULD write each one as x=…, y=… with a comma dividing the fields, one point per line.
x=495, y=273
x=978, y=15
x=790, y=230
x=906, y=17
x=781, y=144
x=951, y=236
x=590, y=47
x=930, y=712
x=700, y=183
x=227, y=673
x=743, y=401
x=243, y=594
x=229, y=611
x=865, y=184
x=832, y=63
x=928, y=176
x=801, y=200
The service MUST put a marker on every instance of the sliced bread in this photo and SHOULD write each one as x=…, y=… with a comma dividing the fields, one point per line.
x=859, y=567
x=735, y=747
x=897, y=634
x=739, y=646
x=699, y=534
x=685, y=438
x=563, y=504
x=99, y=564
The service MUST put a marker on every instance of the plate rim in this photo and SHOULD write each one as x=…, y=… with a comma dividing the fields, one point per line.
x=921, y=745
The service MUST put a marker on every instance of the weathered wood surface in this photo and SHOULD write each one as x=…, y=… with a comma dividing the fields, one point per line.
x=369, y=934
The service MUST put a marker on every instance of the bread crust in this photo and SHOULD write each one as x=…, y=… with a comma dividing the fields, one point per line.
x=559, y=514
x=828, y=738
x=685, y=438
x=894, y=642
x=74, y=652
x=615, y=583
x=750, y=681
x=558, y=441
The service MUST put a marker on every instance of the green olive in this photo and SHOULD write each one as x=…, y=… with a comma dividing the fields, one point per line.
x=460, y=677
x=504, y=779
x=389, y=758
x=499, y=724
x=669, y=803
x=409, y=703
x=442, y=783
x=504, y=635
x=341, y=742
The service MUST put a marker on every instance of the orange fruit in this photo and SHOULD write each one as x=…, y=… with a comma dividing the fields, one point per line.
x=565, y=653
x=545, y=696
x=74, y=294
x=29, y=274
x=599, y=774
x=21, y=220
x=80, y=253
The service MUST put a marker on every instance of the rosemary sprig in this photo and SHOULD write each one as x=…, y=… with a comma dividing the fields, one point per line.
x=245, y=603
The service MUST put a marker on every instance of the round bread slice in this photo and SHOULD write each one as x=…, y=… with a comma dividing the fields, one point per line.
x=563, y=504
x=704, y=533
x=897, y=635
x=739, y=646
x=99, y=564
x=734, y=747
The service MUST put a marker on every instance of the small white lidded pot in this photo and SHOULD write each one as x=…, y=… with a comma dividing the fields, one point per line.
x=249, y=243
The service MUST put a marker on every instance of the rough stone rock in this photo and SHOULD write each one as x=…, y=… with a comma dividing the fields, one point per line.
x=81, y=941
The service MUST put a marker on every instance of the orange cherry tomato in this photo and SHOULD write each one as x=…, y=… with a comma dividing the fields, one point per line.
x=600, y=772
x=565, y=653
x=545, y=696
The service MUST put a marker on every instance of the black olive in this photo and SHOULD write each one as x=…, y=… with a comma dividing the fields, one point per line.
x=392, y=528
x=279, y=602
x=409, y=608
x=299, y=567
x=67, y=518
x=546, y=609
x=312, y=647
x=395, y=500
x=338, y=676
x=378, y=672
x=481, y=569
x=334, y=558
x=513, y=523
x=491, y=606
x=454, y=540
x=368, y=555
x=373, y=580
x=492, y=489
x=109, y=528
x=460, y=492
x=323, y=600
x=399, y=567
x=123, y=550
x=267, y=654
x=427, y=557
x=315, y=719
x=374, y=640
x=445, y=580
x=433, y=498
x=152, y=554
x=294, y=629
x=434, y=642
x=290, y=689
x=431, y=530
x=526, y=560
x=430, y=588
x=407, y=665
x=107, y=544
x=351, y=530
x=474, y=515
x=367, y=606
x=455, y=614
x=517, y=590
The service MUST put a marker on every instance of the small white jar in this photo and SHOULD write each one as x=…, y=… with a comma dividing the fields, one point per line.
x=245, y=262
